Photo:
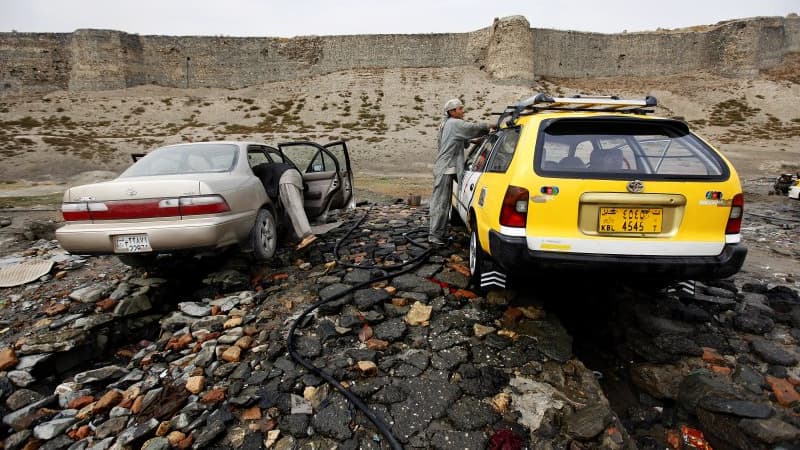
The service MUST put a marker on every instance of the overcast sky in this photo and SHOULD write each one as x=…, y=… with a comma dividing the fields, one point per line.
x=335, y=17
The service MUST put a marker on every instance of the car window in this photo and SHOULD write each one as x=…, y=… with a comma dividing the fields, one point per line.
x=503, y=152
x=476, y=161
x=310, y=159
x=651, y=149
x=185, y=159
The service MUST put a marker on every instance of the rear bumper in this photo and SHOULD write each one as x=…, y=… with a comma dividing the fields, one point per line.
x=510, y=252
x=164, y=235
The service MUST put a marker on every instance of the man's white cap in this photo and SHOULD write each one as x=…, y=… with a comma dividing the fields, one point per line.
x=452, y=104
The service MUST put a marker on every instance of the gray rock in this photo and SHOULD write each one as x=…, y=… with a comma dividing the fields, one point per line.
x=453, y=278
x=772, y=354
x=588, y=422
x=390, y=330
x=697, y=385
x=156, y=443
x=132, y=305
x=449, y=358
x=95, y=320
x=553, y=340
x=120, y=291
x=428, y=270
x=329, y=292
x=294, y=425
x=176, y=320
x=390, y=394
x=101, y=374
x=111, y=427
x=51, y=429
x=308, y=346
x=210, y=432
x=770, y=431
x=137, y=432
x=119, y=411
x=21, y=378
x=741, y=408
x=58, y=341
x=358, y=276
x=366, y=298
x=89, y=294
x=333, y=420
x=447, y=339
x=211, y=323
x=747, y=377
x=481, y=382
x=21, y=398
x=205, y=356
x=413, y=283
x=59, y=442
x=16, y=440
x=470, y=413
x=470, y=440
x=751, y=321
x=658, y=380
x=64, y=320
x=31, y=363
x=427, y=400
x=194, y=309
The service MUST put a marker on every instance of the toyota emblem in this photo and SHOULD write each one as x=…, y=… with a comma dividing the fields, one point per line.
x=635, y=186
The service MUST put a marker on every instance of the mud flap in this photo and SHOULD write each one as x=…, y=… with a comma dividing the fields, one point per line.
x=492, y=276
x=683, y=289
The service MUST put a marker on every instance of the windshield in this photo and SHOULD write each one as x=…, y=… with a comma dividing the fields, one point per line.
x=621, y=148
x=184, y=159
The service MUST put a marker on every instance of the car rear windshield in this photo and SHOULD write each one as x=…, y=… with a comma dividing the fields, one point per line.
x=621, y=148
x=185, y=159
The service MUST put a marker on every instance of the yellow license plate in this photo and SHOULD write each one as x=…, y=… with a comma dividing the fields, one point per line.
x=629, y=220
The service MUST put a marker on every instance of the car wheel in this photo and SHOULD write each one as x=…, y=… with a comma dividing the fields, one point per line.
x=264, y=235
x=142, y=260
x=477, y=258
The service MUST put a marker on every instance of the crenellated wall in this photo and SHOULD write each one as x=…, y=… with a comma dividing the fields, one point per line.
x=508, y=49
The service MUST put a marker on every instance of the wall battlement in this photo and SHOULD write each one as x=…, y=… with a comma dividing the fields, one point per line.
x=508, y=49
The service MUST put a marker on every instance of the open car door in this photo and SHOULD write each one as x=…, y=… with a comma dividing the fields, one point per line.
x=344, y=198
x=328, y=182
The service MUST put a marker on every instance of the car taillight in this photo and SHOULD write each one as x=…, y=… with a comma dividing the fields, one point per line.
x=206, y=204
x=145, y=208
x=75, y=211
x=734, y=224
x=514, y=212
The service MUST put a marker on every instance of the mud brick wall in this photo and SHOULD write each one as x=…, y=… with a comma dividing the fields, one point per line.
x=508, y=49
x=34, y=61
x=737, y=49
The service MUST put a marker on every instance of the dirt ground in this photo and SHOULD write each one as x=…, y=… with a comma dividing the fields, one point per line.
x=388, y=118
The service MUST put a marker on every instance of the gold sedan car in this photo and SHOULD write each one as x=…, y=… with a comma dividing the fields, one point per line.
x=200, y=196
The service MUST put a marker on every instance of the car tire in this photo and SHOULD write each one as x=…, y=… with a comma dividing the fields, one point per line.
x=138, y=260
x=477, y=258
x=264, y=237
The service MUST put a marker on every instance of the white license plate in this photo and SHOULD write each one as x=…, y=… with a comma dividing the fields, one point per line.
x=132, y=243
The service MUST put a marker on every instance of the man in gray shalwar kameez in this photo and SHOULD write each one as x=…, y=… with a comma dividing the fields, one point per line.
x=453, y=138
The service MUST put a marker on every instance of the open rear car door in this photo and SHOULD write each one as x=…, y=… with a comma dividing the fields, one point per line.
x=326, y=174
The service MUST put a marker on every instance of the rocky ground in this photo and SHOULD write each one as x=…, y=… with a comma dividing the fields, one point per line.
x=193, y=353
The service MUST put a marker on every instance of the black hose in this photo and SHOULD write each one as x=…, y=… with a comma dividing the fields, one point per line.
x=382, y=427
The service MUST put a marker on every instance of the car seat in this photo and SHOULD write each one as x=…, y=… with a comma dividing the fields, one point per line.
x=571, y=162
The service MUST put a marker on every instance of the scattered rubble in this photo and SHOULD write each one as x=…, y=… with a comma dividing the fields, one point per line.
x=105, y=357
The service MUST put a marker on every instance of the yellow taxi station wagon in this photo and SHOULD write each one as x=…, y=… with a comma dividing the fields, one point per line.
x=599, y=185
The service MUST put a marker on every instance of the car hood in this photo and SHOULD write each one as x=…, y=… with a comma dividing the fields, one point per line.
x=136, y=188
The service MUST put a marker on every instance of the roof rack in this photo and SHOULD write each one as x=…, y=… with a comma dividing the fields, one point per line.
x=542, y=102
